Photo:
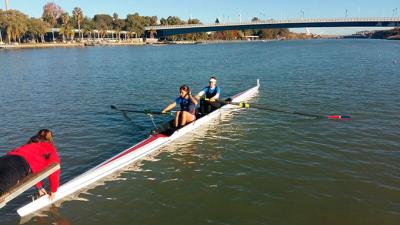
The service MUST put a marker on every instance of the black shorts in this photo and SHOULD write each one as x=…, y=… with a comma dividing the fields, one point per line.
x=207, y=107
x=12, y=170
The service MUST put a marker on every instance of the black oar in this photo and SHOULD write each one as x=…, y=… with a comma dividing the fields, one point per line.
x=147, y=112
x=248, y=105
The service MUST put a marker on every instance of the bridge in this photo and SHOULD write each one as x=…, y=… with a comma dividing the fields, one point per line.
x=163, y=31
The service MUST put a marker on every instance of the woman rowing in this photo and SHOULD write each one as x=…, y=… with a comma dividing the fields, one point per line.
x=33, y=157
x=187, y=103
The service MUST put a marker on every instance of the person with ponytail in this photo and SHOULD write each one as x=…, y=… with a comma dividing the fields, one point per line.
x=187, y=103
x=33, y=157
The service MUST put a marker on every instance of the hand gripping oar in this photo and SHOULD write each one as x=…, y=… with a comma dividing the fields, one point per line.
x=147, y=112
x=248, y=105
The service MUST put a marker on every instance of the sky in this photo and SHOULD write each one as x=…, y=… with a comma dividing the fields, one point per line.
x=226, y=10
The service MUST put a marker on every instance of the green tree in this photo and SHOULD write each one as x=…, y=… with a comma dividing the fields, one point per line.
x=136, y=23
x=117, y=24
x=88, y=26
x=66, y=29
x=78, y=16
x=173, y=20
x=103, y=23
x=15, y=25
x=153, y=20
x=37, y=28
x=2, y=24
x=163, y=21
x=195, y=36
x=274, y=33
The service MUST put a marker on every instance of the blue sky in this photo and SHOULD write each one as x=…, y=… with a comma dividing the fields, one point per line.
x=208, y=10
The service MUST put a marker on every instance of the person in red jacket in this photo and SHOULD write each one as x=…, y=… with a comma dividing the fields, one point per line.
x=30, y=158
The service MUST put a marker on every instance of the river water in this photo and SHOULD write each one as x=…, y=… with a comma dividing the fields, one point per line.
x=249, y=167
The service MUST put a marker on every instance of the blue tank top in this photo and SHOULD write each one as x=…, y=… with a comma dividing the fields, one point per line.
x=186, y=105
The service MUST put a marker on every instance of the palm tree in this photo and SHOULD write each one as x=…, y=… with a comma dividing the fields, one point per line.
x=88, y=26
x=15, y=25
x=78, y=15
x=117, y=25
x=65, y=25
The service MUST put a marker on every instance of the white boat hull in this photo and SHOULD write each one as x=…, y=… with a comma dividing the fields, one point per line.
x=130, y=155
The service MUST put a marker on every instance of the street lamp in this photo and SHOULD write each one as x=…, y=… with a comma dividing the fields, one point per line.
x=394, y=14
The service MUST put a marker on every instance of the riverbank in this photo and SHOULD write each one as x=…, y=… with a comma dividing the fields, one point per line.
x=393, y=34
x=139, y=43
x=67, y=45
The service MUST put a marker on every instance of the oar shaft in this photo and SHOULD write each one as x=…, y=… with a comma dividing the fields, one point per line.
x=129, y=110
x=141, y=111
x=247, y=105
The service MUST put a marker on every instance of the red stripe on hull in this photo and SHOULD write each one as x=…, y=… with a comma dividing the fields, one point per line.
x=139, y=145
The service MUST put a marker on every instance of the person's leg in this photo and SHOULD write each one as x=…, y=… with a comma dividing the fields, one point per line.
x=209, y=109
x=184, y=118
x=177, y=115
x=215, y=105
x=190, y=118
x=187, y=118
x=202, y=108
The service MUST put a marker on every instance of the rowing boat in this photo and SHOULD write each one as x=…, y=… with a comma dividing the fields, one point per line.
x=156, y=140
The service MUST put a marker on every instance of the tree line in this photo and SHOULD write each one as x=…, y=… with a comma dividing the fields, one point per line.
x=18, y=27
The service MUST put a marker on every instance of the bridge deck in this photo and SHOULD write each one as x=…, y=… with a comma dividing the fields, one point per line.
x=267, y=24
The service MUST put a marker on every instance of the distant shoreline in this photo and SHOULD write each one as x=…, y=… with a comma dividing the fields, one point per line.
x=66, y=45
x=94, y=44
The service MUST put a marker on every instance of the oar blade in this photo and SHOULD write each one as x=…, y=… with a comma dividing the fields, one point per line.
x=338, y=117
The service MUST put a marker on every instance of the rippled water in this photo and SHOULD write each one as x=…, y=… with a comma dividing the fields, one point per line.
x=251, y=166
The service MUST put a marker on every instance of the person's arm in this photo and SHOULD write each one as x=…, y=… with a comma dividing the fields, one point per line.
x=54, y=183
x=200, y=94
x=216, y=97
x=54, y=178
x=169, y=107
x=193, y=99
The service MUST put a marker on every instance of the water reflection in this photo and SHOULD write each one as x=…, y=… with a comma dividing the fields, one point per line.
x=53, y=216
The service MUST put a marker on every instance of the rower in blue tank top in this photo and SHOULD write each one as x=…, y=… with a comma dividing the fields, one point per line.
x=211, y=95
x=187, y=103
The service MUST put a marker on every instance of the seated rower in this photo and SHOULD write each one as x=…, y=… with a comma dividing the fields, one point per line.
x=31, y=158
x=187, y=103
x=212, y=93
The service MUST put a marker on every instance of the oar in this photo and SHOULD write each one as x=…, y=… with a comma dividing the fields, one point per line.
x=247, y=105
x=147, y=112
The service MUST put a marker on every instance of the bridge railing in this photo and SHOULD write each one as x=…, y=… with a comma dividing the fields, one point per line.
x=272, y=21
